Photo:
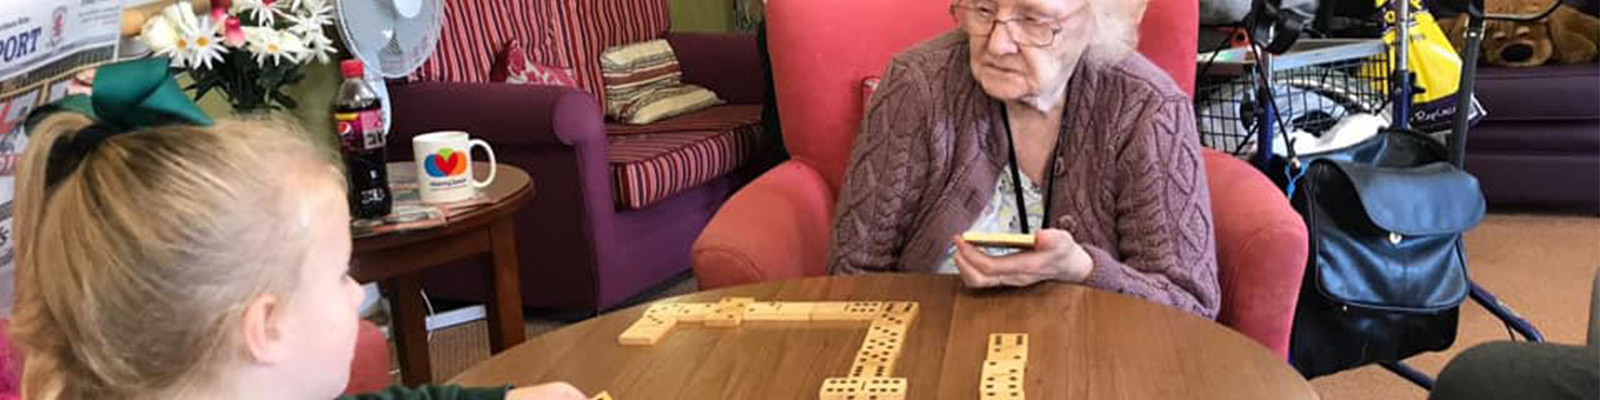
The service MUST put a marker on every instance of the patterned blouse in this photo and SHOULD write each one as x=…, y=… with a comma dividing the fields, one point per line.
x=1000, y=216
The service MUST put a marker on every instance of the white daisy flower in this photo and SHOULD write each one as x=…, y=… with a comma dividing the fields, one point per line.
x=274, y=45
x=310, y=21
x=165, y=40
x=260, y=10
x=306, y=4
x=310, y=27
x=181, y=16
x=320, y=47
x=206, y=47
x=186, y=39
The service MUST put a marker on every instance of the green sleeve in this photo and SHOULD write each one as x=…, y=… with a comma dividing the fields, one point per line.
x=433, y=392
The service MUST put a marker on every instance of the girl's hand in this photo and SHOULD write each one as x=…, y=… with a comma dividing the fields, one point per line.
x=548, y=391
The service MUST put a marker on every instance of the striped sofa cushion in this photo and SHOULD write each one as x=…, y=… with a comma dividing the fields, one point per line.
x=476, y=31
x=650, y=166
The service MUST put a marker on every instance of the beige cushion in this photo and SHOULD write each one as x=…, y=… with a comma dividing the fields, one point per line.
x=643, y=84
x=667, y=102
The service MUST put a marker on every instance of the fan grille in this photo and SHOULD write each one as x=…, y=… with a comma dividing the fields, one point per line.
x=389, y=43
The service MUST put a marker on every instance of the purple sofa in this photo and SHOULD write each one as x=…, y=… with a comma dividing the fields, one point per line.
x=1539, y=147
x=582, y=244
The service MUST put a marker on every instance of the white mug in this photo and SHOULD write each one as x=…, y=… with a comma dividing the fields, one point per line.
x=444, y=166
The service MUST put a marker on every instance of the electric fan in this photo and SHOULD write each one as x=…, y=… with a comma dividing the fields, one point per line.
x=392, y=38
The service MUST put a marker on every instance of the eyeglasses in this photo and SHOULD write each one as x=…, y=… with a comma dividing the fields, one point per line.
x=980, y=21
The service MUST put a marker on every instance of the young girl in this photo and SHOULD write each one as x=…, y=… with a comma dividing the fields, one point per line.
x=178, y=261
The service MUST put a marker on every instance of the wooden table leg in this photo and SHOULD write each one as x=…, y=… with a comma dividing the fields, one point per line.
x=410, y=328
x=506, y=327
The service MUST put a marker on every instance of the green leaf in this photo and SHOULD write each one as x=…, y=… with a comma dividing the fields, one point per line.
x=284, y=99
x=201, y=88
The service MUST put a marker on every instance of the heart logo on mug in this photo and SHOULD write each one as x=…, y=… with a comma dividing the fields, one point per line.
x=445, y=163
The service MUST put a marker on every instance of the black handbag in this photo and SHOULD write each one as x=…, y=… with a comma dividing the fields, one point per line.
x=1386, y=274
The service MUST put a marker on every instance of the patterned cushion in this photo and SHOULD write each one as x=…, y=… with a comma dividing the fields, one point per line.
x=668, y=102
x=724, y=118
x=644, y=84
x=651, y=166
x=516, y=67
x=475, y=31
x=633, y=71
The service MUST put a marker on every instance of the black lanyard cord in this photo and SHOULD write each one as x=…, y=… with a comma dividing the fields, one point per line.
x=1016, y=177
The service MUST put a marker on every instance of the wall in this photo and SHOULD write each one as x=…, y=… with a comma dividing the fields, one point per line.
x=314, y=96
x=702, y=15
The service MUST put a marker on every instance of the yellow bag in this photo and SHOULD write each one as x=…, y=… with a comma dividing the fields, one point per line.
x=1434, y=64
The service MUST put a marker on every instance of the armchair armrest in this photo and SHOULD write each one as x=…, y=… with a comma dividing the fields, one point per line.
x=1261, y=251
x=369, y=369
x=502, y=114
x=727, y=63
x=775, y=228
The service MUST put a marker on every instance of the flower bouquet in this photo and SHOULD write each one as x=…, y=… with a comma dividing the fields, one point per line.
x=249, y=49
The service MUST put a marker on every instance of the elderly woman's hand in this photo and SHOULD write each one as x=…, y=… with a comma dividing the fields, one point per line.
x=1055, y=256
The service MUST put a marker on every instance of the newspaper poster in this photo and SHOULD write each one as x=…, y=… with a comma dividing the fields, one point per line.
x=48, y=49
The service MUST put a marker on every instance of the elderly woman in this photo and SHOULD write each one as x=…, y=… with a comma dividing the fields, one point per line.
x=1035, y=116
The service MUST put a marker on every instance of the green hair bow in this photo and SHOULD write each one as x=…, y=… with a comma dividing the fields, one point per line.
x=127, y=96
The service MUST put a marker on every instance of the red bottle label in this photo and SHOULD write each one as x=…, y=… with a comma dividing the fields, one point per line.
x=361, y=130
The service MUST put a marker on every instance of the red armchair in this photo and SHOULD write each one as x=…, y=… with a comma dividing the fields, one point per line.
x=778, y=227
x=369, y=370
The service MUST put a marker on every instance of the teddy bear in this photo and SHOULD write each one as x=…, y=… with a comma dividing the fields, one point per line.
x=1566, y=36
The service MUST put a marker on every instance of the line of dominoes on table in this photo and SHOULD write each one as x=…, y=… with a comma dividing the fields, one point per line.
x=1005, y=368
x=871, y=374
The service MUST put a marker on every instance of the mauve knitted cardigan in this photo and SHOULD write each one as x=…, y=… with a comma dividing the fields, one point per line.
x=1130, y=182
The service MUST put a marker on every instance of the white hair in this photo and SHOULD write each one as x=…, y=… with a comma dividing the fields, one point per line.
x=1114, y=27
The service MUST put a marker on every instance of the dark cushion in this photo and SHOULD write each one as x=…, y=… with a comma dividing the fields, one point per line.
x=1551, y=92
x=1536, y=137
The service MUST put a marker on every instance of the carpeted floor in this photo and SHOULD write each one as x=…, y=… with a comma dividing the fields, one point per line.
x=1541, y=265
x=452, y=350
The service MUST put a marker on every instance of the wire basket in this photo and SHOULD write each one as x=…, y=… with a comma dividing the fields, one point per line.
x=1315, y=84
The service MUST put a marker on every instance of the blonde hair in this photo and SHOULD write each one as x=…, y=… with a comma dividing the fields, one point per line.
x=133, y=270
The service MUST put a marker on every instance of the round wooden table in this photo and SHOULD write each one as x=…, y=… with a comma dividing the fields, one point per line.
x=396, y=262
x=1085, y=344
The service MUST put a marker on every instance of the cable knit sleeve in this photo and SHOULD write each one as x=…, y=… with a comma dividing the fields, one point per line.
x=879, y=198
x=1163, y=215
